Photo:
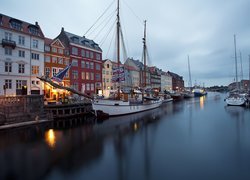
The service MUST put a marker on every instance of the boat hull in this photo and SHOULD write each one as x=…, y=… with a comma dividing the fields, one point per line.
x=231, y=101
x=117, y=108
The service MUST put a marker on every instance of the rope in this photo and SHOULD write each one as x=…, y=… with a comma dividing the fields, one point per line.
x=99, y=17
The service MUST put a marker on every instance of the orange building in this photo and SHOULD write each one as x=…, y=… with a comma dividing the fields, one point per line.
x=56, y=58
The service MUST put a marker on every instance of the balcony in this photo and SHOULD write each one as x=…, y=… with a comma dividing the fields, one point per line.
x=10, y=43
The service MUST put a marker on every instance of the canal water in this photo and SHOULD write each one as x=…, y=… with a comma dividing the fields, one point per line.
x=199, y=138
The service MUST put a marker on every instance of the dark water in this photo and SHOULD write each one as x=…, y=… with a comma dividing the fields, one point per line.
x=200, y=138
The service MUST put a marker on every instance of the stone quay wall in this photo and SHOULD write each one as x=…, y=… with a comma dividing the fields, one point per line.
x=18, y=109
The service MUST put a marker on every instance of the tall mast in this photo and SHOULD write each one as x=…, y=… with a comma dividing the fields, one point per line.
x=236, y=68
x=144, y=55
x=189, y=73
x=241, y=72
x=118, y=32
x=249, y=75
x=118, y=44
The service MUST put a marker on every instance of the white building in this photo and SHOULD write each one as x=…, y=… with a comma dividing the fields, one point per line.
x=21, y=57
x=166, y=81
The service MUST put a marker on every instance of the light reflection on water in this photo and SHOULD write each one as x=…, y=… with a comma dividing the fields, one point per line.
x=199, y=138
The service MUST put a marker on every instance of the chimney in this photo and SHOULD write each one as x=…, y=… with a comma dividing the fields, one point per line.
x=62, y=29
x=36, y=23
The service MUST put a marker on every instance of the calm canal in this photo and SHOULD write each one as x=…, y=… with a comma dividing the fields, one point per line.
x=199, y=138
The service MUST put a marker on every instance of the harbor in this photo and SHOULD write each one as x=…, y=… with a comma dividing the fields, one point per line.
x=197, y=138
x=124, y=90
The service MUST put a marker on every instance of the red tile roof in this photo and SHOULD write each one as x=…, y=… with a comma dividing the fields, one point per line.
x=5, y=22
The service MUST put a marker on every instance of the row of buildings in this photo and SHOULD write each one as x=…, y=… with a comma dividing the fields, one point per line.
x=25, y=54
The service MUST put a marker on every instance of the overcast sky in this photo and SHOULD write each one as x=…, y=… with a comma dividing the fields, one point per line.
x=202, y=29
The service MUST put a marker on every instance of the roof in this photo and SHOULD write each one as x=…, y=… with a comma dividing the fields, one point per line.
x=20, y=26
x=48, y=41
x=82, y=40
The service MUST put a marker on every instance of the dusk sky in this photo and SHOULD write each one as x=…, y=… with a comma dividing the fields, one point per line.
x=202, y=29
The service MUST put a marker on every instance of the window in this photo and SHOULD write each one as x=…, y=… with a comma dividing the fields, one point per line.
x=74, y=62
x=74, y=51
x=107, y=72
x=21, y=40
x=107, y=65
x=98, y=56
x=75, y=74
x=103, y=71
x=82, y=64
x=91, y=65
x=60, y=60
x=35, y=56
x=54, y=59
x=87, y=65
x=34, y=30
x=8, y=67
x=20, y=84
x=35, y=70
x=83, y=52
x=16, y=25
x=87, y=76
x=87, y=86
x=8, y=51
x=21, y=53
x=54, y=50
x=21, y=68
x=97, y=77
x=35, y=43
x=91, y=55
x=54, y=71
x=47, y=58
x=92, y=87
x=75, y=85
x=91, y=76
x=60, y=51
x=8, y=36
x=87, y=54
x=83, y=75
x=97, y=66
x=8, y=83
x=47, y=71
x=47, y=48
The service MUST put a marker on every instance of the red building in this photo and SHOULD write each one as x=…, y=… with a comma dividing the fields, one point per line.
x=86, y=58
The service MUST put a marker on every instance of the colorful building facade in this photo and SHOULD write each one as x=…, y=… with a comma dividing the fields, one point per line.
x=21, y=57
x=86, y=59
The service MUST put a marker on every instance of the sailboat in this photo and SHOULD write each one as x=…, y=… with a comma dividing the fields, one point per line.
x=125, y=103
x=235, y=98
x=188, y=93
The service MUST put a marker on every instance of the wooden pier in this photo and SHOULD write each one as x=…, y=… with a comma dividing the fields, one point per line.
x=62, y=111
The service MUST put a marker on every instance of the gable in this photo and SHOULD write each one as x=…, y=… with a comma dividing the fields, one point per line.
x=57, y=43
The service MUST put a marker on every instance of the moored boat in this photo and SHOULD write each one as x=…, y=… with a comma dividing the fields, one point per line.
x=198, y=92
x=236, y=99
x=124, y=103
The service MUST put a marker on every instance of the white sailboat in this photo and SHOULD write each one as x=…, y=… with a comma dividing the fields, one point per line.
x=126, y=103
x=189, y=93
x=235, y=98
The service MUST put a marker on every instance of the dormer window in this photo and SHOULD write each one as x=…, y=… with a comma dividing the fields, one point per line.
x=34, y=30
x=75, y=39
x=16, y=24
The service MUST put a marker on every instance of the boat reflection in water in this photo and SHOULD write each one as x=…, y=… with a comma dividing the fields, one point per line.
x=66, y=146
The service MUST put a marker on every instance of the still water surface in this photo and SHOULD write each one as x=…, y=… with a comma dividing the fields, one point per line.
x=200, y=138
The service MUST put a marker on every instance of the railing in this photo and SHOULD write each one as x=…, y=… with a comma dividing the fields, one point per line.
x=7, y=42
